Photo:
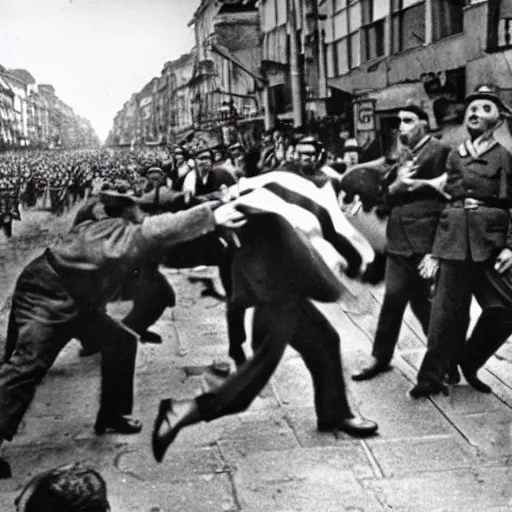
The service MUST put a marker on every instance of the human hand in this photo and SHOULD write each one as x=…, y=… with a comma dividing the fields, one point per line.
x=428, y=267
x=503, y=261
x=404, y=180
x=226, y=215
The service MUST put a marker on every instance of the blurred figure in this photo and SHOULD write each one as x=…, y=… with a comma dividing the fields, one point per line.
x=70, y=488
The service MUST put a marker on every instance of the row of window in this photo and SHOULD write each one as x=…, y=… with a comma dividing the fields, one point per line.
x=355, y=30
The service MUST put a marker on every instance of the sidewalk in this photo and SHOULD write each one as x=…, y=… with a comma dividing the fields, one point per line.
x=448, y=454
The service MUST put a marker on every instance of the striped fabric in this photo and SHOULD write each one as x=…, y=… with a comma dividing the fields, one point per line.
x=314, y=211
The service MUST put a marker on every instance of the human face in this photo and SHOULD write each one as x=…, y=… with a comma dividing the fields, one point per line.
x=204, y=162
x=351, y=158
x=481, y=115
x=306, y=153
x=410, y=129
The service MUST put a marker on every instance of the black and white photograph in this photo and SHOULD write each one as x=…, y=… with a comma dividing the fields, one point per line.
x=255, y=255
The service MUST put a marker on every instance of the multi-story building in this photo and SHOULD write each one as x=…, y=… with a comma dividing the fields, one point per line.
x=6, y=115
x=180, y=115
x=147, y=125
x=379, y=54
x=20, y=123
x=227, y=66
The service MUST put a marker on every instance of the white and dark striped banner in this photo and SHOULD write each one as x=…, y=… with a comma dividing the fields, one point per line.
x=313, y=210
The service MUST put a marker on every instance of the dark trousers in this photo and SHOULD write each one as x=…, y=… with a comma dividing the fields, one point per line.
x=457, y=282
x=403, y=285
x=235, y=314
x=32, y=348
x=153, y=294
x=299, y=323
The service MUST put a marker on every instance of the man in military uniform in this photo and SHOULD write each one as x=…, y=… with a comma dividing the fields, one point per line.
x=415, y=208
x=471, y=245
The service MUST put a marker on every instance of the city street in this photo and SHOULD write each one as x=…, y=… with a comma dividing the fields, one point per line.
x=446, y=454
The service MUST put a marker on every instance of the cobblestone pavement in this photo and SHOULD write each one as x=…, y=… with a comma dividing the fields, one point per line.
x=447, y=454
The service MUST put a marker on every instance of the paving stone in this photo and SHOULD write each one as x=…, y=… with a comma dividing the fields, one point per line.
x=28, y=460
x=490, y=433
x=304, y=480
x=406, y=456
x=207, y=493
x=261, y=431
x=486, y=490
x=464, y=400
x=177, y=466
x=303, y=423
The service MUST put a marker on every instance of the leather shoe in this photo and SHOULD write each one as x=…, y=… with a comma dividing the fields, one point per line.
x=151, y=337
x=372, y=371
x=473, y=380
x=356, y=426
x=428, y=388
x=117, y=425
x=168, y=424
x=5, y=469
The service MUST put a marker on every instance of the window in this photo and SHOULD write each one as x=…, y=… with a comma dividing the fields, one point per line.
x=499, y=25
x=373, y=32
x=407, y=24
x=447, y=16
x=343, y=37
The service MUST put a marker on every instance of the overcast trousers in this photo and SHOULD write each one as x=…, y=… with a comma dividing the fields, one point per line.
x=296, y=322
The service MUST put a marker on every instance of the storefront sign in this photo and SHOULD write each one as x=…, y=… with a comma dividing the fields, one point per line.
x=364, y=115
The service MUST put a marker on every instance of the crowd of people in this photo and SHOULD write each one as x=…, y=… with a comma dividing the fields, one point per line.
x=448, y=240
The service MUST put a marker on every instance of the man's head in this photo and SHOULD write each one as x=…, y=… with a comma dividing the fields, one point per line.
x=308, y=153
x=204, y=161
x=120, y=201
x=155, y=177
x=351, y=151
x=236, y=153
x=217, y=155
x=69, y=488
x=413, y=124
x=484, y=109
x=179, y=156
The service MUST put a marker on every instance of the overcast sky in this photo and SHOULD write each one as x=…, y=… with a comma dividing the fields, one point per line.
x=95, y=52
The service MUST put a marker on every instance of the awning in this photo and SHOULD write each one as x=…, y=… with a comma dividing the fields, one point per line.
x=224, y=52
x=395, y=96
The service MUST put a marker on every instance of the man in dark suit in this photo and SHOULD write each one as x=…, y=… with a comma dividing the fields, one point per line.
x=277, y=271
x=415, y=207
x=471, y=245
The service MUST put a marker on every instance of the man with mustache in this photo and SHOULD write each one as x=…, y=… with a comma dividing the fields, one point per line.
x=415, y=207
x=473, y=247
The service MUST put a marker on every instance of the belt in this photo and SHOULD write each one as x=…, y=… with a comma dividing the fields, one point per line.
x=470, y=203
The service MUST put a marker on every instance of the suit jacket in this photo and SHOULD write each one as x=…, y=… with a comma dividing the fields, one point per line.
x=276, y=262
x=479, y=233
x=414, y=215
